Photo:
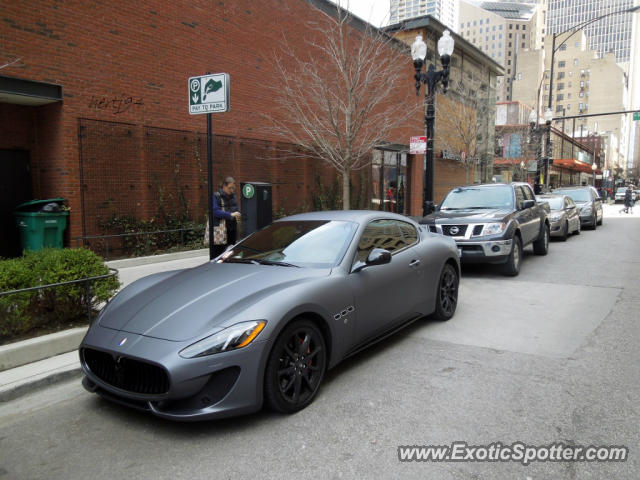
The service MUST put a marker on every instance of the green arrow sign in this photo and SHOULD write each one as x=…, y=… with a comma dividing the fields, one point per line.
x=636, y=115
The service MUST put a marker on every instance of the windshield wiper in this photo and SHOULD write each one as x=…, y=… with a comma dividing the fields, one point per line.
x=262, y=261
x=450, y=208
x=240, y=260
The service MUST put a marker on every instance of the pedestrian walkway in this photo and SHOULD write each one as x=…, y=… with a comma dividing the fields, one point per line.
x=616, y=210
x=61, y=363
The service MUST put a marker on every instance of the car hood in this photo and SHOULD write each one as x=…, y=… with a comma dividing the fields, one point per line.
x=466, y=215
x=194, y=302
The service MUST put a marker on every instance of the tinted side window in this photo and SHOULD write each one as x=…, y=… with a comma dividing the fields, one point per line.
x=409, y=232
x=519, y=197
x=528, y=193
x=380, y=234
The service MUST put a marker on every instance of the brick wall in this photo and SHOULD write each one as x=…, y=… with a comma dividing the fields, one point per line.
x=124, y=69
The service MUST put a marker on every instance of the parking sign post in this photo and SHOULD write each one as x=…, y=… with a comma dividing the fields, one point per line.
x=209, y=94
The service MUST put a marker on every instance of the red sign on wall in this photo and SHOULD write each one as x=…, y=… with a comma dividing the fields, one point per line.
x=417, y=145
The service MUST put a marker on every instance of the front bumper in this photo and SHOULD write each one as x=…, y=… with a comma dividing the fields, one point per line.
x=216, y=386
x=557, y=228
x=485, y=251
x=587, y=219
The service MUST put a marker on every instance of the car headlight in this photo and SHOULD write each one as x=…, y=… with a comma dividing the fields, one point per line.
x=493, y=228
x=586, y=210
x=555, y=218
x=231, y=338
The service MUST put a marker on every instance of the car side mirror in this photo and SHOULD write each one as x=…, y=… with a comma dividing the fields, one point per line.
x=377, y=256
x=528, y=204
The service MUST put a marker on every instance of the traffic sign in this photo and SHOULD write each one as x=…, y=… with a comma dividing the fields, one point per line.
x=417, y=145
x=636, y=115
x=248, y=191
x=209, y=94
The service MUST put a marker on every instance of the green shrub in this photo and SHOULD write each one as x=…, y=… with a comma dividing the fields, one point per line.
x=54, y=307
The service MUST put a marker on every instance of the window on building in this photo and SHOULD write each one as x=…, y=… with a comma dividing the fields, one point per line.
x=511, y=35
x=524, y=37
x=508, y=62
x=563, y=47
x=559, y=97
x=499, y=27
x=561, y=86
x=571, y=74
x=580, y=105
x=546, y=86
x=487, y=20
x=575, y=61
x=509, y=46
x=561, y=64
x=524, y=27
x=545, y=98
x=508, y=71
x=519, y=76
x=546, y=75
x=500, y=36
x=468, y=24
x=523, y=45
x=500, y=45
x=569, y=107
x=577, y=44
x=559, y=108
x=475, y=23
x=480, y=21
x=517, y=27
x=499, y=53
x=581, y=84
x=511, y=26
x=461, y=26
x=568, y=96
x=493, y=28
x=560, y=75
x=581, y=94
x=569, y=84
x=582, y=73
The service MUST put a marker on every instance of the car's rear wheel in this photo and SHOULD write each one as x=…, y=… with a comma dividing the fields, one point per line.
x=447, y=296
x=541, y=246
x=512, y=267
x=601, y=218
x=594, y=221
x=295, y=367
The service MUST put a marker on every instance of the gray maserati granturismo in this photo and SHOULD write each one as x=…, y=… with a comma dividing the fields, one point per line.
x=264, y=321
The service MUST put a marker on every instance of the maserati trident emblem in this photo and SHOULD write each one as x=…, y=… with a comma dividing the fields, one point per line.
x=122, y=342
x=453, y=230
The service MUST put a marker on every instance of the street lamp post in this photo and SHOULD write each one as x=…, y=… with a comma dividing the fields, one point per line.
x=538, y=131
x=431, y=79
x=522, y=178
x=593, y=169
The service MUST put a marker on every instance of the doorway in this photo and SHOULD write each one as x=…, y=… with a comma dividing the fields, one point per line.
x=15, y=188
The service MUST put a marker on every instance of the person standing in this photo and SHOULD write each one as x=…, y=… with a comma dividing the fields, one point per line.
x=628, y=200
x=225, y=209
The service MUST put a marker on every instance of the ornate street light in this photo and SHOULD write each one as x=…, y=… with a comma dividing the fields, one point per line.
x=593, y=169
x=431, y=79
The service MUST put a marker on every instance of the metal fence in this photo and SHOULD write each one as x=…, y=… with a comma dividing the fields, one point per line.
x=105, y=245
x=87, y=285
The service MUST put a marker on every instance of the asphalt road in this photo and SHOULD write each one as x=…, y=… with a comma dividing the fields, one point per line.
x=549, y=356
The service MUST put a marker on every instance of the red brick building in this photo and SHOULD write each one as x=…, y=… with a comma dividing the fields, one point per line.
x=94, y=108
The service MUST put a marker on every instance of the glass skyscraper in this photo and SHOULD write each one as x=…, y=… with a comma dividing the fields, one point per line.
x=611, y=34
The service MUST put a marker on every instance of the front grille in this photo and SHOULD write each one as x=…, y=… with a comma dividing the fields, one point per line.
x=461, y=230
x=126, y=373
x=433, y=229
x=477, y=230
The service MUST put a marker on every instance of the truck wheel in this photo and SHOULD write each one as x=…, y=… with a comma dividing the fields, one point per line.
x=512, y=267
x=541, y=246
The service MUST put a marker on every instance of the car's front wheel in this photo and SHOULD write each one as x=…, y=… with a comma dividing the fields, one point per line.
x=295, y=367
x=447, y=296
x=512, y=267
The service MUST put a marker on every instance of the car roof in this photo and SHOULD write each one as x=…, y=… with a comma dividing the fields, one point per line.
x=573, y=187
x=358, y=216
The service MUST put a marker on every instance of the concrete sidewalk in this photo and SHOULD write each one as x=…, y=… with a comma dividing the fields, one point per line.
x=31, y=364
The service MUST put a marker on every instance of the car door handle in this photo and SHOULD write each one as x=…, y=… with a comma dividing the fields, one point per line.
x=414, y=263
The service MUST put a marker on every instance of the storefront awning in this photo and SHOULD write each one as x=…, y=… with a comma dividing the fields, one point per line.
x=26, y=92
x=574, y=164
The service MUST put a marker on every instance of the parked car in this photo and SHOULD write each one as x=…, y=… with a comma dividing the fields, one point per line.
x=620, y=193
x=492, y=223
x=266, y=319
x=564, y=218
x=588, y=202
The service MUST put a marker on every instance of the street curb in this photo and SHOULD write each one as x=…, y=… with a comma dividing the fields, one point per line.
x=45, y=380
x=39, y=348
x=165, y=257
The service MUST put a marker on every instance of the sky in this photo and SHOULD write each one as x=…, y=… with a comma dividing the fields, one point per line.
x=375, y=12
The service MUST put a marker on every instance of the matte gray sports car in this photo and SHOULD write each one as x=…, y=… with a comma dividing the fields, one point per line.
x=266, y=319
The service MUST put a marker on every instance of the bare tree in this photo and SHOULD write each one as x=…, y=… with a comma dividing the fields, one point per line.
x=342, y=93
x=463, y=117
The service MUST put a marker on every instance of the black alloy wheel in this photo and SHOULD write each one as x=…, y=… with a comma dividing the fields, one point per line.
x=447, y=296
x=295, y=367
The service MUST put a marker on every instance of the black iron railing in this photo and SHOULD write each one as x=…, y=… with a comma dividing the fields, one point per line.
x=138, y=248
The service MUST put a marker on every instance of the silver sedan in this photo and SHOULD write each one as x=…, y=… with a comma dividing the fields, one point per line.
x=564, y=217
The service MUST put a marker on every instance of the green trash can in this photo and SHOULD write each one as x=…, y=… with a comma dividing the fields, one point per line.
x=40, y=224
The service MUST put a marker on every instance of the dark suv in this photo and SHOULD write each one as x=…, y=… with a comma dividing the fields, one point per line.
x=588, y=202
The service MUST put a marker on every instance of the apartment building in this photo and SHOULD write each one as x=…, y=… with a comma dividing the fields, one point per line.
x=502, y=30
x=445, y=11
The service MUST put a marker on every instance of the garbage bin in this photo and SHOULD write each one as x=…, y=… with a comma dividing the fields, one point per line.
x=41, y=223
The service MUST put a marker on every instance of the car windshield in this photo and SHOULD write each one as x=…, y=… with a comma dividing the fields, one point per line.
x=576, y=195
x=622, y=190
x=302, y=243
x=478, y=197
x=555, y=203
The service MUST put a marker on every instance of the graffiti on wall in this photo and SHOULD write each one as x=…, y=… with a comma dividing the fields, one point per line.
x=116, y=105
